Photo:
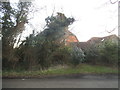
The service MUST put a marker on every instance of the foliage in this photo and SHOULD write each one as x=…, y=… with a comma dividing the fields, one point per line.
x=13, y=20
x=42, y=55
x=91, y=54
x=60, y=20
x=109, y=53
x=56, y=26
x=44, y=49
x=61, y=55
x=102, y=53
x=62, y=70
x=77, y=56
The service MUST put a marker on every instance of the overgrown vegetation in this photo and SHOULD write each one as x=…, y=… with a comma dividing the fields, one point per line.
x=105, y=53
x=13, y=21
x=81, y=69
x=37, y=51
x=44, y=50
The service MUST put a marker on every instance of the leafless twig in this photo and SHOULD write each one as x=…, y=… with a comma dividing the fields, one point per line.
x=113, y=2
x=111, y=30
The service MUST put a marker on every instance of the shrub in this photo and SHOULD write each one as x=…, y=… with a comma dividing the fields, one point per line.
x=109, y=53
x=77, y=56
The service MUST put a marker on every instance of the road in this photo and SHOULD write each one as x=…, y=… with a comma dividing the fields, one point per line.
x=76, y=81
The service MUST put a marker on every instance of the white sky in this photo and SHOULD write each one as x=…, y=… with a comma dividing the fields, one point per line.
x=93, y=17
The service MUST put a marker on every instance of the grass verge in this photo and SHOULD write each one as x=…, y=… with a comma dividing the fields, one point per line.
x=81, y=69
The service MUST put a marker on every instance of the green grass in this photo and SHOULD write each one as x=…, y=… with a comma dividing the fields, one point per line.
x=83, y=68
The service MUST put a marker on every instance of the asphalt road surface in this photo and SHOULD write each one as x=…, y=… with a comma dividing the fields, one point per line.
x=74, y=81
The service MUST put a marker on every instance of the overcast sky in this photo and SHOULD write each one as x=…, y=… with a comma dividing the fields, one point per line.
x=93, y=17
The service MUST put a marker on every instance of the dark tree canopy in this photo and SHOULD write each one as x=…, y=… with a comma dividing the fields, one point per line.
x=56, y=25
x=60, y=20
x=13, y=20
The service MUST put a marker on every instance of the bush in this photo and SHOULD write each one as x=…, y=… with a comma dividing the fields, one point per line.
x=77, y=56
x=91, y=54
x=103, y=53
x=60, y=56
x=109, y=53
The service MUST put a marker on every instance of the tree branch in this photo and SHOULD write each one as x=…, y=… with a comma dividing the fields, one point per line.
x=113, y=2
